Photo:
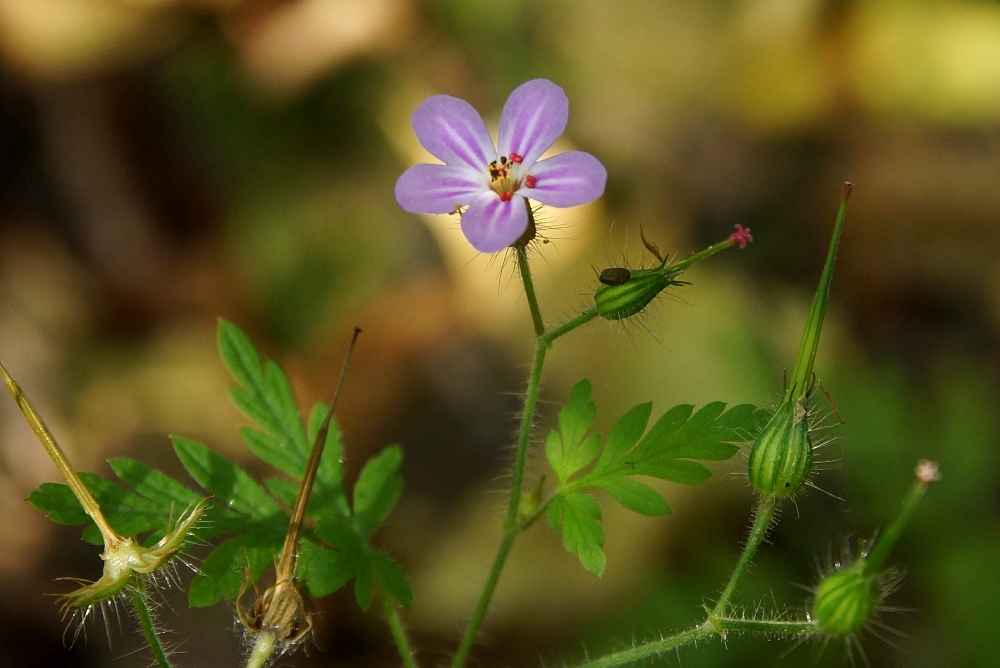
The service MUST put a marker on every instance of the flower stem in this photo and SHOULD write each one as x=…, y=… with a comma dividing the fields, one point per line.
x=647, y=650
x=263, y=646
x=529, y=289
x=589, y=314
x=58, y=457
x=879, y=553
x=398, y=632
x=763, y=515
x=695, y=258
x=795, y=627
x=510, y=525
x=138, y=598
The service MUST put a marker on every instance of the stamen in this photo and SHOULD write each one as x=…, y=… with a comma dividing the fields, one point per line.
x=505, y=196
x=514, y=157
x=530, y=181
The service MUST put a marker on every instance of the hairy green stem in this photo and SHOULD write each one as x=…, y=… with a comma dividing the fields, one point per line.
x=794, y=627
x=138, y=598
x=718, y=626
x=586, y=316
x=510, y=525
x=695, y=258
x=879, y=553
x=398, y=632
x=263, y=646
x=529, y=289
x=647, y=650
x=763, y=515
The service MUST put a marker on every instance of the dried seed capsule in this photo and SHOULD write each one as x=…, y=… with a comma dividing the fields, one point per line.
x=615, y=275
x=845, y=600
x=781, y=458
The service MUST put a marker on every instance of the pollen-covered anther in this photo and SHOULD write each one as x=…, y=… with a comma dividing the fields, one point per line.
x=515, y=158
x=505, y=196
x=530, y=181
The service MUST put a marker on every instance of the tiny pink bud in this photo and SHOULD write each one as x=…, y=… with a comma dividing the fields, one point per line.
x=848, y=187
x=741, y=236
x=927, y=471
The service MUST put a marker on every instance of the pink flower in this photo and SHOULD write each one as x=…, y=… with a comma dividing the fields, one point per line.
x=741, y=236
x=493, y=182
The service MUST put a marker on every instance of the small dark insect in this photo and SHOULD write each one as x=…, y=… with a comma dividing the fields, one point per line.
x=615, y=275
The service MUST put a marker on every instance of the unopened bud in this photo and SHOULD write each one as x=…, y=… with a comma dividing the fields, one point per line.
x=845, y=600
x=781, y=458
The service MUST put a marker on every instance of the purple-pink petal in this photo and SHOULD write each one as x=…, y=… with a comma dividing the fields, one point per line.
x=491, y=224
x=453, y=132
x=437, y=188
x=567, y=179
x=533, y=117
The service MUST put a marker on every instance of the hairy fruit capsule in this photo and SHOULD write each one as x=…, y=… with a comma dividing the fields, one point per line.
x=845, y=600
x=781, y=458
x=631, y=295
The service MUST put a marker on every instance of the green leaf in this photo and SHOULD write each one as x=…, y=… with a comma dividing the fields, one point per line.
x=237, y=560
x=377, y=490
x=567, y=450
x=58, y=503
x=636, y=496
x=622, y=437
x=265, y=396
x=324, y=571
x=576, y=515
x=153, y=484
x=392, y=580
x=363, y=586
x=232, y=486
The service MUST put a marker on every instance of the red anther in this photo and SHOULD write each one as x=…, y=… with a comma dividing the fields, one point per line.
x=530, y=181
x=514, y=157
x=741, y=236
x=505, y=196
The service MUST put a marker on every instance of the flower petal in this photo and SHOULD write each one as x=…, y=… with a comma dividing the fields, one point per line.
x=533, y=117
x=567, y=179
x=491, y=224
x=453, y=132
x=437, y=188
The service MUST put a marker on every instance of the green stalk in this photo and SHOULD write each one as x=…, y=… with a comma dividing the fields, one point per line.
x=652, y=649
x=814, y=326
x=529, y=288
x=138, y=597
x=510, y=525
x=879, y=553
x=763, y=515
x=263, y=646
x=398, y=632
x=695, y=258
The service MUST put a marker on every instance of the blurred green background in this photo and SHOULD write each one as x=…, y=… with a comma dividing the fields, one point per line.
x=168, y=162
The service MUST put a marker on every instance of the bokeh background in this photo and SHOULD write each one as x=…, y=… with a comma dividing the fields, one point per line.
x=167, y=162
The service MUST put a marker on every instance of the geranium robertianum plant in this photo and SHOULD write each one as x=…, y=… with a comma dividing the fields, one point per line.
x=319, y=537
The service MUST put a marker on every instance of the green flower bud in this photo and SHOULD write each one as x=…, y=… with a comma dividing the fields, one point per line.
x=781, y=458
x=845, y=600
x=617, y=302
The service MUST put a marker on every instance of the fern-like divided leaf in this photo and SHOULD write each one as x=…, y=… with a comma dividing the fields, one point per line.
x=253, y=518
x=667, y=452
